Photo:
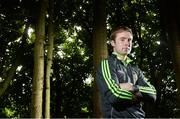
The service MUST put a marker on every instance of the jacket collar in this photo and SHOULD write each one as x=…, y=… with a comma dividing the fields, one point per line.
x=124, y=61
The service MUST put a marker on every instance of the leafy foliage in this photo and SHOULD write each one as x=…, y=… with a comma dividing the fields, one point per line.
x=71, y=95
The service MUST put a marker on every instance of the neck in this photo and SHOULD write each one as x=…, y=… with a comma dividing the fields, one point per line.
x=120, y=56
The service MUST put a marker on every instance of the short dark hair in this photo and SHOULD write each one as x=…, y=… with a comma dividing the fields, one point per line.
x=119, y=30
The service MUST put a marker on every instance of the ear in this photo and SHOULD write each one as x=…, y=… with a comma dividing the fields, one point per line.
x=112, y=43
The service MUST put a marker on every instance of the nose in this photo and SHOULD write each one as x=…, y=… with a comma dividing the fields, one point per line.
x=127, y=42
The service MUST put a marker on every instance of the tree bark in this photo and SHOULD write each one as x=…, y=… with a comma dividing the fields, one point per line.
x=38, y=76
x=99, y=46
x=49, y=59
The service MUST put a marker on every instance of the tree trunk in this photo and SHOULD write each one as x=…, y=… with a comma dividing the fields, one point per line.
x=99, y=46
x=170, y=14
x=49, y=59
x=19, y=54
x=38, y=76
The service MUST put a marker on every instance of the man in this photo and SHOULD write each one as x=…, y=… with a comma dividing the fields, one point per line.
x=122, y=85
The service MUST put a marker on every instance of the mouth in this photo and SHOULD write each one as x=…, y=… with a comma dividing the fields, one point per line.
x=126, y=49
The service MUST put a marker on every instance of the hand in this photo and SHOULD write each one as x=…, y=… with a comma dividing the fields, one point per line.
x=126, y=86
x=137, y=97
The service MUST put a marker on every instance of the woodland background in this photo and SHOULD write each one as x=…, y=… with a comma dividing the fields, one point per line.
x=49, y=52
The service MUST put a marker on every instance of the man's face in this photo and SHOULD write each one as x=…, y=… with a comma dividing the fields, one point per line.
x=122, y=43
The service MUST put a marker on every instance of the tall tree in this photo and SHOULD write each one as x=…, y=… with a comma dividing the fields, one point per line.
x=99, y=45
x=49, y=58
x=19, y=54
x=38, y=76
x=170, y=14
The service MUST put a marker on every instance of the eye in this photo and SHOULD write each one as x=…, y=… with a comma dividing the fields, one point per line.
x=129, y=39
x=122, y=39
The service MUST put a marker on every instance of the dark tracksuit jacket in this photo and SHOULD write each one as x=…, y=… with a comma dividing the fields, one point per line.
x=119, y=103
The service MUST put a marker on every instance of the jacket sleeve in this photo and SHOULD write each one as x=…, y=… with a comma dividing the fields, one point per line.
x=145, y=88
x=107, y=83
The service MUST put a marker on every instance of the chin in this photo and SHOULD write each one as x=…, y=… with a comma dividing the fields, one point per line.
x=126, y=53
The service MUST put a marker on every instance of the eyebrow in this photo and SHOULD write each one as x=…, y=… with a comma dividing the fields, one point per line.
x=125, y=38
